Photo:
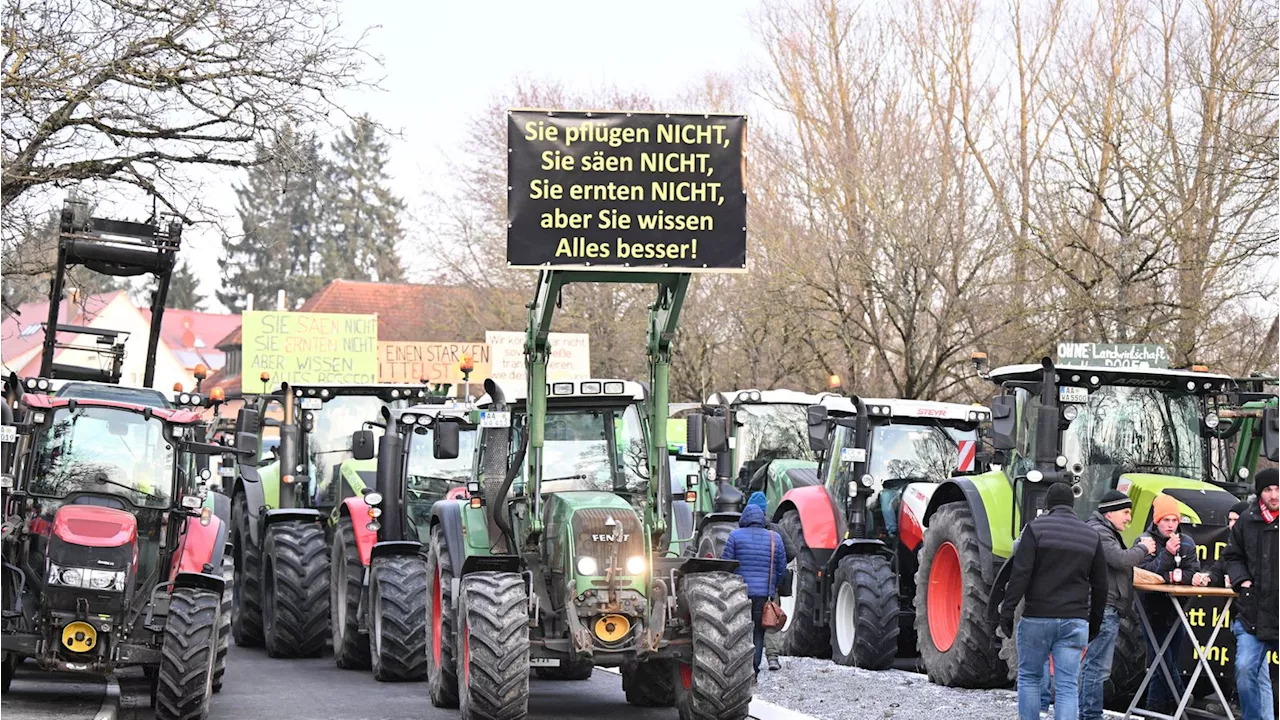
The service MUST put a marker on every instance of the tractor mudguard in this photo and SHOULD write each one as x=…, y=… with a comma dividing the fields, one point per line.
x=250, y=483
x=857, y=546
x=201, y=580
x=490, y=563
x=448, y=515
x=271, y=517
x=202, y=547
x=818, y=516
x=358, y=510
x=390, y=548
x=989, y=498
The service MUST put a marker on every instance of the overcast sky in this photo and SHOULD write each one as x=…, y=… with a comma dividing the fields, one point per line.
x=444, y=62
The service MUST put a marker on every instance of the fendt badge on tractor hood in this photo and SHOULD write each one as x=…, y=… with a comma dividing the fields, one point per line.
x=611, y=538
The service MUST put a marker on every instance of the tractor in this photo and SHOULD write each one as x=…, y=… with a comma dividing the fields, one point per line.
x=559, y=560
x=1142, y=431
x=112, y=551
x=854, y=526
x=378, y=578
x=282, y=502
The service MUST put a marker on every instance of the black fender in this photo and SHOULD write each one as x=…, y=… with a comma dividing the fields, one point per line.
x=857, y=546
x=715, y=517
x=391, y=548
x=490, y=563
x=274, y=517
x=963, y=490
x=249, y=483
x=201, y=581
x=448, y=515
x=224, y=534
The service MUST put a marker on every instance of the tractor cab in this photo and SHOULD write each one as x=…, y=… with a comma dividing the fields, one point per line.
x=767, y=425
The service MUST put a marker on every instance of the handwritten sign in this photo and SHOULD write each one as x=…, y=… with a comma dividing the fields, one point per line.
x=570, y=357
x=435, y=362
x=309, y=348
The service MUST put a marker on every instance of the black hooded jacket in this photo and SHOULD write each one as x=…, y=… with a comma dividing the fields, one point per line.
x=1251, y=556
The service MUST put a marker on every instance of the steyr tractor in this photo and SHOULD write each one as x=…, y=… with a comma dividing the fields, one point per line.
x=1141, y=431
x=112, y=553
x=559, y=559
x=378, y=577
x=282, y=501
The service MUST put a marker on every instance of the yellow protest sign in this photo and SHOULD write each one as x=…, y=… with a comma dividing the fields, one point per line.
x=434, y=362
x=309, y=348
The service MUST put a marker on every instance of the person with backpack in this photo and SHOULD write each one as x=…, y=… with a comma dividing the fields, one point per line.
x=762, y=563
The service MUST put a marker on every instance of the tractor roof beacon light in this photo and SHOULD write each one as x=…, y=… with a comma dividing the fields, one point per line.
x=980, y=364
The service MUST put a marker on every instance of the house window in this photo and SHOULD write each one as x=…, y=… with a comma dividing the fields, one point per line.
x=233, y=362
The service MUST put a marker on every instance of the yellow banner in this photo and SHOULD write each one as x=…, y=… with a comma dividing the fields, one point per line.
x=434, y=362
x=304, y=348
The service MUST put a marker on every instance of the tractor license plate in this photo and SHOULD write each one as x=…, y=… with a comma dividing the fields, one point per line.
x=544, y=662
x=853, y=455
x=8, y=433
x=496, y=419
x=312, y=403
x=1072, y=394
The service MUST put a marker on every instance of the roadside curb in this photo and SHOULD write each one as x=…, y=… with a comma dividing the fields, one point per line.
x=760, y=709
x=110, y=700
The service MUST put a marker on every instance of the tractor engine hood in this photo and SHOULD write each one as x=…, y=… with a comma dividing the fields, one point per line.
x=596, y=535
x=92, y=555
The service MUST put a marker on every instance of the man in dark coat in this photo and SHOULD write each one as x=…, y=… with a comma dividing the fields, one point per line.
x=1250, y=562
x=1061, y=571
x=1113, y=515
x=1217, y=571
x=762, y=562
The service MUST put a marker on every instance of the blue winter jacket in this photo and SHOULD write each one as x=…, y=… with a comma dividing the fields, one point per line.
x=749, y=545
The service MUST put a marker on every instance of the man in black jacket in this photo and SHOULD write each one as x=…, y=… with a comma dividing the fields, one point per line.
x=1060, y=570
x=1250, y=562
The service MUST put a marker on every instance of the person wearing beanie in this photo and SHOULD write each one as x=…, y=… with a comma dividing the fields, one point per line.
x=1250, y=562
x=1059, y=569
x=1113, y=515
x=772, y=638
x=1217, y=571
x=1176, y=562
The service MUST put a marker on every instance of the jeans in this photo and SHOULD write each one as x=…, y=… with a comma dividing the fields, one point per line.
x=757, y=618
x=1063, y=639
x=1253, y=677
x=1159, y=695
x=1097, y=665
x=1046, y=687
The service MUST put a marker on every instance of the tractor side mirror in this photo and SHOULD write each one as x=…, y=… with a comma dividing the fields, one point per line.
x=717, y=432
x=1271, y=434
x=444, y=445
x=1003, y=423
x=817, y=421
x=691, y=481
x=248, y=421
x=694, y=425
x=362, y=447
x=247, y=447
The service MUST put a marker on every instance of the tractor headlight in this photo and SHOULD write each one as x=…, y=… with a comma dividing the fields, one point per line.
x=372, y=498
x=636, y=565
x=1211, y=420
x=86, y=578
x=71, y=577
x=587, y=565
x=1070, y=412
x=106, y=580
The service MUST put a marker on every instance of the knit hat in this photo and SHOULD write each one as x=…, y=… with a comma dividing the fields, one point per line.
x=1265, y=479
x=1239, y=508
x=1114, y=500
x=1059, y=494
x=759, y=500
x=1164, y=506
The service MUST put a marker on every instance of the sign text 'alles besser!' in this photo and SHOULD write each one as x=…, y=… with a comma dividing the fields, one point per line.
x=626, y=190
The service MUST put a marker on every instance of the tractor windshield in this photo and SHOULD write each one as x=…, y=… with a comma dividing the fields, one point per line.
x=329, y=442
x=434, y=477
x=772, y=432
x=916, y=452
x=1122, y=430
x=598, y=449
x=106, y=451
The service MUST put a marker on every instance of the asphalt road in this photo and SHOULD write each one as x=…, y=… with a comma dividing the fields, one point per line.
x=39, y=695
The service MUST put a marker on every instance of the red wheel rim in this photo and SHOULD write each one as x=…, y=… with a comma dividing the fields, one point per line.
x=686, y=675
x=466, y=656
x=945, y=597
x=436, y=619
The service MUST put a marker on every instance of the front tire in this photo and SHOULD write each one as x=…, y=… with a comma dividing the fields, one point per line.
x=185, y=682
x=224, y=622
x=346, y=585
x=441, y=618
x=295, y=588
x=802, y=636
x=398, y=618
x=493, y=646
x=864, y=612
x=718, y=682
x=246, y=622
x=958, y=646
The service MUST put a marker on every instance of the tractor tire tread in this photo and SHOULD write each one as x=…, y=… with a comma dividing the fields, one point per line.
x=493, y=639
x=721, y=677
x=650, y=684
x=350, y=646
x=875, y=590
x=803, y=636
x=224, y=622
x=401, y=604
x=183, y=685
x=246, y=625
x=442, y=677
x=299, y=558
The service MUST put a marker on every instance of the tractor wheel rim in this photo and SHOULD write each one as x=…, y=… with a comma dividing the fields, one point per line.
x=846, y=619
x=437, y=617
x=686, y=675
x=339, y=601
x=946, y=597
x=788, y=602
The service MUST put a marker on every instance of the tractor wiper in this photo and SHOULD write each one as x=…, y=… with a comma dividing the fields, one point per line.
x=580, y=476
x=104, y=480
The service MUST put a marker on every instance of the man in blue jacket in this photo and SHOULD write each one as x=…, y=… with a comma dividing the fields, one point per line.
x=762, y=563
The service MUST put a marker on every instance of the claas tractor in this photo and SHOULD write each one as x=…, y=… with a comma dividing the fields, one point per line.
x=112, y=552
x=282, y=502
x=559, y=559
x=854, y=527
x=378, y=579
x=1142, y=431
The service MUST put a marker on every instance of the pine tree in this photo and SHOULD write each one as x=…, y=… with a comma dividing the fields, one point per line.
x=184, y=289
x=361, y=228
x=277, y=206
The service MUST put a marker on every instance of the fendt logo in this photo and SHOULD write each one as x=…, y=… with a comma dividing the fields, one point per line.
x=611, y=538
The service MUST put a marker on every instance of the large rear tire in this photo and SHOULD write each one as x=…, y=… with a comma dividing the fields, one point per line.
x=295, y=584
x=398, y=618
x=802, y=635
x=185, y=682
x=346, y=585
x=493, y=646
x=958, y=646
x=224, y=622
x=718, y=682
x=246, y=621
x=442, y=669
x=650, y=684
x=711, y=541
x=864, y=612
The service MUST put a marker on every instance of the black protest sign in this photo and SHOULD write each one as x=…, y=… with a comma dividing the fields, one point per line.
x=629, y=191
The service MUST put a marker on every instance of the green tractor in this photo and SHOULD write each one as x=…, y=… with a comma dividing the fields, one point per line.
x=559, y=559
x=281, y=500
x=378, y=577
x=1141, y=431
